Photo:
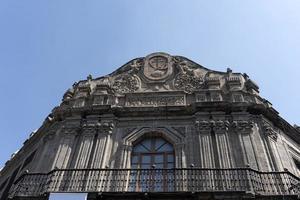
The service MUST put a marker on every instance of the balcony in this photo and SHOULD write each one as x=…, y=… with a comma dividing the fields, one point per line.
x=156, y=180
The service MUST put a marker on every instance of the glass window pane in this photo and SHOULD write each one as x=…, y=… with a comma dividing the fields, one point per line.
x=165, y=147
x=143, y=156
x=159, y=142
x=147, y=144
x=134, y=159
x=146, y=159
x=145, y=166
x=159, y=166
x=139, y=148
x=134, y=166
x=159, y=158
x=170, y=158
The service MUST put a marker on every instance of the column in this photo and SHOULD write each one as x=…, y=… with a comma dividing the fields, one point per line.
x=101, y=154
x=203, y=128
x=243, y=129
x=220, y=129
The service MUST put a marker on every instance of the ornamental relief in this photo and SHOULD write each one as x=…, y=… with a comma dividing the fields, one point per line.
x=137, y=101
x=158, y=66
x=159, y=72
x=126, y=83
x=187, y=81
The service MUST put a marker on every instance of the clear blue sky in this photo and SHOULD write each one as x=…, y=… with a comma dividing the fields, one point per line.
x=45, y=46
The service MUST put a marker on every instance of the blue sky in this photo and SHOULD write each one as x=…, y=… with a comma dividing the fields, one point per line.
x=45, y=46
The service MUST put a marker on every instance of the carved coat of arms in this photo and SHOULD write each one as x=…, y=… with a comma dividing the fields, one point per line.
x=158, y=66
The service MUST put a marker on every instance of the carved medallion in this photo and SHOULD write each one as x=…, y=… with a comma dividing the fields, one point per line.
x=126, y=83
x=158, y=66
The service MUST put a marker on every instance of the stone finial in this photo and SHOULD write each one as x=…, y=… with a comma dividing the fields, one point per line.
x=89, y=77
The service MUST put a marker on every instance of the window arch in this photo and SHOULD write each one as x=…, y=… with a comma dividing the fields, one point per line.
x=153, y=152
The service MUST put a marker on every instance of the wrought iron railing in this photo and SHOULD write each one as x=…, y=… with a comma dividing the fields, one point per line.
x=157, y=180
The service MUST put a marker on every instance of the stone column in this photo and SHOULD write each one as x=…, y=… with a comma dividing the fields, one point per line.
x=180, y=157
x=47, y=152
x=66, y=136
x=243, y=129
x=279, y=152
x=88, y=132
x=220, y=129
x=206, y=152
x=103, y=143
x=125, y=159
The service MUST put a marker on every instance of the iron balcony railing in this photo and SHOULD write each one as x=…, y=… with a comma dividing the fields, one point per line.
x=157, y=180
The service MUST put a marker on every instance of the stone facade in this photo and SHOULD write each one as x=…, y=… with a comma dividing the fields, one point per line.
x=214, y=120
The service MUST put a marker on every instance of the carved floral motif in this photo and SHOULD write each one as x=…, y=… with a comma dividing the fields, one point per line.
x=126, y=83
x=188, y=83
x=187, y=80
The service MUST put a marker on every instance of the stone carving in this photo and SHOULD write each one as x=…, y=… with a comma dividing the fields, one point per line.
x=243, y=126
x=187, y=80
x=233, y=82
x=136, y=101
x=237, y=98
x=270, y=131
x=135, y=66
x=201, y=98
x=79, y=103
x=106, y=127
x=126, y=83
x=158, y=66
x=221, y=126
x=204, y=125
x=90, y=127
x=216, y=97
x=217, y=126
x=131, y=68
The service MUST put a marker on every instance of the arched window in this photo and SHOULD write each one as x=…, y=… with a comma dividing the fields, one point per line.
x=153, y=152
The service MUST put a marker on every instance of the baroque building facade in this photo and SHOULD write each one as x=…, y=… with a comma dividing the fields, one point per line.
x=159, y=127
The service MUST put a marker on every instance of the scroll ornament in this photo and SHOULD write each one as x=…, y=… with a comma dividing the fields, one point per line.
x=126, y=83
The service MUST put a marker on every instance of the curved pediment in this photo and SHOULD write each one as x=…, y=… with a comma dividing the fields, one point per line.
x=161, y=79
x=159, y=72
